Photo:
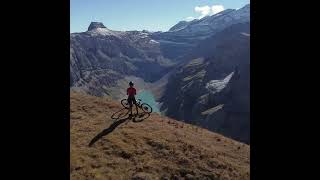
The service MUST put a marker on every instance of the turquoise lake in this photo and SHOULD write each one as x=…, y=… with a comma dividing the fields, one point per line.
x=147, y=97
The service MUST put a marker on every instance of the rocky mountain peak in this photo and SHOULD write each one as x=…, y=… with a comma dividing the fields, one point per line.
x=95, y=25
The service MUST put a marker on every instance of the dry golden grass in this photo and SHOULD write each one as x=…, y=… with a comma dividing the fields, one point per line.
x=156, y=148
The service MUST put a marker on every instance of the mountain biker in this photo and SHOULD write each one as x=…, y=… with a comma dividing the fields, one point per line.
x=131, y=92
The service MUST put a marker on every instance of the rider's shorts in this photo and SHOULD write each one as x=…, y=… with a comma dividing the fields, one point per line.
x=131, y=99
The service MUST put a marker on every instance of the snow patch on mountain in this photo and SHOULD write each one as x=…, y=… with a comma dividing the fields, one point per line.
x=215, y=86
x=212, y=24
x=153, y=41
x=104, y=32
x=245, y=34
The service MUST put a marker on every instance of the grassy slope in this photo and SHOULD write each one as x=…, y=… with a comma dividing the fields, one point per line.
x=156, y=148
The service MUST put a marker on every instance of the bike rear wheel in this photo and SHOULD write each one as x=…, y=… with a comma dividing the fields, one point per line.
x=146, y=108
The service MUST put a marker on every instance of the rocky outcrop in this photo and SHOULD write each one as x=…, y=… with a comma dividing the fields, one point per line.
x=95, y=25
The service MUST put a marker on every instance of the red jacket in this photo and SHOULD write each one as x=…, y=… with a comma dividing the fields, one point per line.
x=131, y=91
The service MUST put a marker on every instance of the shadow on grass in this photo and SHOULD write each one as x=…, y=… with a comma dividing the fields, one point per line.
x=120, y=117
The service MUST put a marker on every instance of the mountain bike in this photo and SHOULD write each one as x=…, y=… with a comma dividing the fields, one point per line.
x=144, y=106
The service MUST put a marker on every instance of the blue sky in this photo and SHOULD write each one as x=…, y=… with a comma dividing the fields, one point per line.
x=152, y=15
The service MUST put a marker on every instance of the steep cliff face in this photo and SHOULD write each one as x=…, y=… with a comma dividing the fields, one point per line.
x=212, y=89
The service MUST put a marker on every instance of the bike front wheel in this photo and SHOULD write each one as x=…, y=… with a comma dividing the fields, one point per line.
x=146, y=108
